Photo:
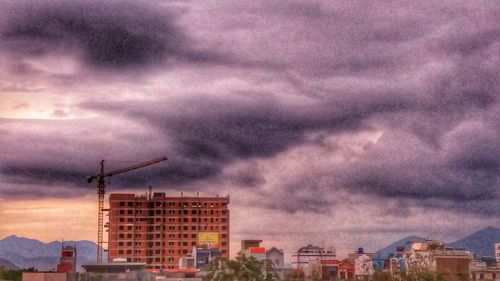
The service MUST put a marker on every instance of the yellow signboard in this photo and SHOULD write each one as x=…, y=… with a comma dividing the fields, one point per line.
x=208, y=238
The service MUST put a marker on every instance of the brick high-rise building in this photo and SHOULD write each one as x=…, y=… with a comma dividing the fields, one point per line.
x=158, y=230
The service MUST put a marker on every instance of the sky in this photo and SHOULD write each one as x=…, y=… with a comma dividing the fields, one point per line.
x=336, y=123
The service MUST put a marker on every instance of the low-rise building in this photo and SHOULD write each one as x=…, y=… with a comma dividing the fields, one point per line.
x=450, y=264
x=346, y=270
x=497, y=252
x=252, y=248
x=363, y=264
x=66, y=269
x=276, y=257
x=394, y=265
x=328, y=270
x=203, y=256
x=48, y=276
x=483, y=270
x=249, y=243
x=187, y=262
x=486, y=274
x=311, y=253
x=120, y=271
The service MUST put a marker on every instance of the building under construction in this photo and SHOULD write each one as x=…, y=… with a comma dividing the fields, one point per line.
x=158, y=230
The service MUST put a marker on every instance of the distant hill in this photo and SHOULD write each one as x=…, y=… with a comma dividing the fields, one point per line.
x=6, y=264
x=482, y=242
x=384, y=253
x=25, y=253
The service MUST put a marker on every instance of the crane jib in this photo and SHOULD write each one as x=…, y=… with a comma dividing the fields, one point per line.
x=101, y=191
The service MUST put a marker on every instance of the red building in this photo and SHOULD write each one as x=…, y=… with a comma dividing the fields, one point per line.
x=158, y=230
x=346, y=269
x=67, y=261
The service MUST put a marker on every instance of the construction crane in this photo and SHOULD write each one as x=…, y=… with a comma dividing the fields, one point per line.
x=101, y=191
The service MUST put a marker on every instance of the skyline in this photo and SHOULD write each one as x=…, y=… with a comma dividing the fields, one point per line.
x=341, y=122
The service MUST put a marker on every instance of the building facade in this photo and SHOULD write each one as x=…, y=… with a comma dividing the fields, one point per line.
x=487, y=273
x=497, y=252
x=159, y=230
x=433, y=256
x=328, y=270
x=276, y=257
x=363, y=266
x=252, y=248
x=67, y=261
x=48, y=276
x=312, y=253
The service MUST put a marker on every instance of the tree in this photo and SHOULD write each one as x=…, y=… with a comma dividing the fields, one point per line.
x=11, y=275
x=382, y=276
x=295, y=275
x=421, y=275
x=269, y=272
x=241, y=269
x=316, y=274
x=220, y=269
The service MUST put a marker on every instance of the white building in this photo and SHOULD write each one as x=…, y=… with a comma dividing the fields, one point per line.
x=486, y=274
x=276, y=257
x=252, y=248
x=433, y=256
x=187, y=262
x=363, y=264
x=497, y=252
x=312, y=253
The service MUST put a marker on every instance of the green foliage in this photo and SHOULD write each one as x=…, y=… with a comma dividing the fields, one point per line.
x=414, y=276
x=241, y=269
x=382, y=276
x=316, y=275
x=422, y=276
x=11, y=275
x=296, y=275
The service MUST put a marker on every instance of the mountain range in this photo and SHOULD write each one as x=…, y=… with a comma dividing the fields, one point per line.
x=18, y=252
x=5, y=264
x=24, y=253
x=481, y=243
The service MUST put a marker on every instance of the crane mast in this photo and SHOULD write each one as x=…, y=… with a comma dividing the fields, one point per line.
x=101, y=191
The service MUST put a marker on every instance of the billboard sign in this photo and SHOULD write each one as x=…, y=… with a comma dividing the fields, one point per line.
x=208, y=239
x=257, y=250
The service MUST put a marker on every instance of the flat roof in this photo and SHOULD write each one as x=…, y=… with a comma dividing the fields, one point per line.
x=115, y=264
x=132, y=196
x=114, y=267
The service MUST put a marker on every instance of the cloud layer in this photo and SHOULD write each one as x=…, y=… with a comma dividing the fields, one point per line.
x=112, y=35
x=286, y=104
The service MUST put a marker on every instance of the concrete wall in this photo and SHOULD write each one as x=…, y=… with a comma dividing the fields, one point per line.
x=276, y=257
x=453, y=268
x=46, y=276
x=486, y=276
x=179, y=279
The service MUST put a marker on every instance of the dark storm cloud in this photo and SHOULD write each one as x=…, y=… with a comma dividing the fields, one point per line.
x=293, y=204
x=109, y=34
x=41, y=174
x=426, y=77
x=216, y=132
x=206, y=135
x=462, y=173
